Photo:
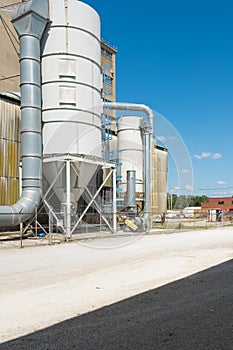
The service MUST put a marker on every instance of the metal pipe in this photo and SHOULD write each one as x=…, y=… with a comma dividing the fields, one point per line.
x=131, y=191
x=114, y=201
x=147, y=130
x=147, y=182
x=124, y=106
x=29, y=21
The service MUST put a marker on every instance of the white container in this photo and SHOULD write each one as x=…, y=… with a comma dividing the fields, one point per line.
x=71, y=93
x=131, y=150
x=71, y=80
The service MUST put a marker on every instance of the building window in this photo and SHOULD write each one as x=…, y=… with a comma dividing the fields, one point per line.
x=67, y=68
x=107, y=79
x=221, y=202
x=106, y=53
x=67, y=95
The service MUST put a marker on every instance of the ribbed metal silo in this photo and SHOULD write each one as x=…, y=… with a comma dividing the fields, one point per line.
x=131, y=150
x=71, y=94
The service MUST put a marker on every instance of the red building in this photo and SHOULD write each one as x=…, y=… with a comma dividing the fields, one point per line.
x=225, y=204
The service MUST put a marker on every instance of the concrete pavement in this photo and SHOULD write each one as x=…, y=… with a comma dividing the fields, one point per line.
x=44, y=286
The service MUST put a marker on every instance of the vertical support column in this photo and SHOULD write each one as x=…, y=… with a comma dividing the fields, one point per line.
x=35, y=220
x=50, y=225
x=21, y=235
x=68, y=204
x=114, y=201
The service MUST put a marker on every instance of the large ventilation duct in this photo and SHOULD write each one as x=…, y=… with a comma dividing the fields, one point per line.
x=29, y=21
x=124, y=106
x=147, y=130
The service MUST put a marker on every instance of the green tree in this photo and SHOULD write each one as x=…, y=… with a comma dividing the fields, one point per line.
x=171, y=200
x=180, y=202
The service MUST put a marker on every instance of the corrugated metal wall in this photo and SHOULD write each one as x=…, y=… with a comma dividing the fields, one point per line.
x=161, y=175
x=9, y=150
x=159, y=170
x=153, y=176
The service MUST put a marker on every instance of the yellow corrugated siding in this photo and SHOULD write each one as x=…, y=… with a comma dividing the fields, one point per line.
x=13, y=195
x=3, y=190
x=153, y=183
x=12, y=170
x=10, y=152
x=9, y=189
x=2, y=157
x=159, y=169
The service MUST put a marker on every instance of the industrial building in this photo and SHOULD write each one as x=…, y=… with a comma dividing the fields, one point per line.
x=225, y=204
x=9, y=63
x=97, y=167
x=10, y=151
x=108, y=64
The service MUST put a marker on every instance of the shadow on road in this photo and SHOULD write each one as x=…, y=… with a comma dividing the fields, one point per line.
x=193, y=313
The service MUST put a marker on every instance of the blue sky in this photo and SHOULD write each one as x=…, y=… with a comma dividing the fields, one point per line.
x=177, y=57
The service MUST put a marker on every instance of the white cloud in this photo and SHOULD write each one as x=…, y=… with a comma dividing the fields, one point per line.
x=203, y=155
x=221, y=182
x=208, y=155
x=218, y=193
x=176, y=188
x=185, y=171
x=217, y=156
x=188, y=187
x=161, y=138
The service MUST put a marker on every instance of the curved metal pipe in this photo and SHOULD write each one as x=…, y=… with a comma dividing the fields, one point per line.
x=29, y=21
x=124, y=106
x=147, y=130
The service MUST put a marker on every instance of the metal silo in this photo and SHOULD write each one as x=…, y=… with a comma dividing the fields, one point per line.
x=71, y=95
x=71, y=80
x=131, y=150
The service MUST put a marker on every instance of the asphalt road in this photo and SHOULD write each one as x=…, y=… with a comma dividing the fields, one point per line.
x=195, y=313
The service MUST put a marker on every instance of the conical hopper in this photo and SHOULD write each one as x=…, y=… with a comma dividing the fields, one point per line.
x=55, y=181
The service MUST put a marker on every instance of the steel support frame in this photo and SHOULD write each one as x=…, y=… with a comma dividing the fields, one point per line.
x=68, y=160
